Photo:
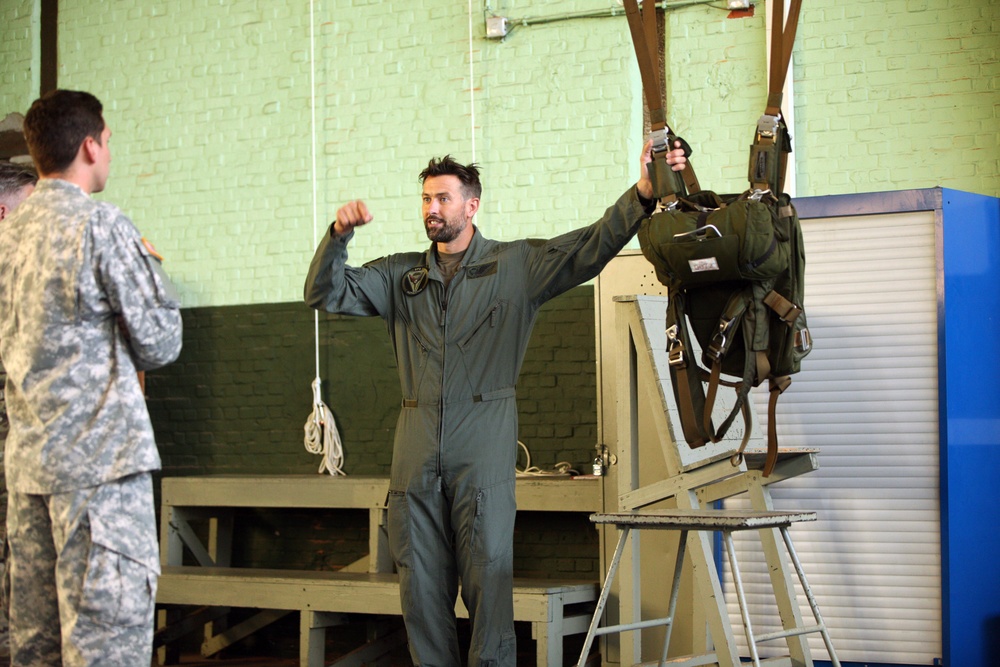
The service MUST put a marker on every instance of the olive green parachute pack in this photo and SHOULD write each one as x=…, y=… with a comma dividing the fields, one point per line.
x=734, y=265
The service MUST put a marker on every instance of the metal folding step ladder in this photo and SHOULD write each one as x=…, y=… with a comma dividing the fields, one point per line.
x=726, y=521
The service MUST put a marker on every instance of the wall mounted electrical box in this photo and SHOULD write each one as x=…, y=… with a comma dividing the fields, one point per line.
x=496, y=27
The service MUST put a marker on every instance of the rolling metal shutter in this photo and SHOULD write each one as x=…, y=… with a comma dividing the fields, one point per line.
x=867, y=397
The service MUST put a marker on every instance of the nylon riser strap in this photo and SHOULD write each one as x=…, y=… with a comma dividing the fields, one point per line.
x=769, y=155
x=768, y=158
x=667, y=184
x=688, y=379
x=685, y=378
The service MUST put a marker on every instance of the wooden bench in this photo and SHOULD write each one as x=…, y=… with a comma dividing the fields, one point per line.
x=555, y=608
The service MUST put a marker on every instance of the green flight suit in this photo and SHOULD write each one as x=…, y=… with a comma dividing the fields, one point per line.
x=459, y=351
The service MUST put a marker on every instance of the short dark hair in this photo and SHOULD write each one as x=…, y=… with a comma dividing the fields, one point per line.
x=467, y=174
x=15, y=176
x=57, y=123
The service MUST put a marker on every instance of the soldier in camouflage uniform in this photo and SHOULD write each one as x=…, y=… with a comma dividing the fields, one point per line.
x=84, y=305
x=16, y=183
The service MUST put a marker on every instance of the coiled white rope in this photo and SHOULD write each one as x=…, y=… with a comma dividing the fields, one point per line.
x=561, y=469
x=322, y=436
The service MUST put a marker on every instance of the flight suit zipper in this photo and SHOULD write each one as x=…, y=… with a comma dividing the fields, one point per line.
x=444, y=366
x=444, y=353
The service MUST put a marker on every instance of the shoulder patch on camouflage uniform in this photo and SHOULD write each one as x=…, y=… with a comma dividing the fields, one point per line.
x=151, y=249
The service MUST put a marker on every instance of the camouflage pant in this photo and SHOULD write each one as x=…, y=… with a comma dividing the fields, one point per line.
x=82, y=574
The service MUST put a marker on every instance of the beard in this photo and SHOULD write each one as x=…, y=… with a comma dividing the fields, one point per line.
x=448, y=231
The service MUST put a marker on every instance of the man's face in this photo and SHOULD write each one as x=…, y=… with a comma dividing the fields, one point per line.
x=446, y=212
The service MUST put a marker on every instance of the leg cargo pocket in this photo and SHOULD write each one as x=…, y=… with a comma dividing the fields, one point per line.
x=493, y=527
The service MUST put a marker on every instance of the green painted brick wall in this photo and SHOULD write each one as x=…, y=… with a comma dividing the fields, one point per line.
x=237, y=398
x=211, y=106
x=18, y=35
x=239, y=395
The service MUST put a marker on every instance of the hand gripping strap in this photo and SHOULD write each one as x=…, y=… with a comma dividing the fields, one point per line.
x=667, y=184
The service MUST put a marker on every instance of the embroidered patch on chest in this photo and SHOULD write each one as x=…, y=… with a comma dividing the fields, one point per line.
x=414, y=281
x=481, y=270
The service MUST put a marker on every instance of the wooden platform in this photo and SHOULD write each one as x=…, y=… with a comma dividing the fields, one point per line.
x=555, y=608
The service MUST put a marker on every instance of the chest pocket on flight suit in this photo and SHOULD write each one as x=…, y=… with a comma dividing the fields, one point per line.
x=414, y=341
x=487, y=323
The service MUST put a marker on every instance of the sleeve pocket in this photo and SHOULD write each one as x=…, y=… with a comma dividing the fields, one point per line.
x=166, y=293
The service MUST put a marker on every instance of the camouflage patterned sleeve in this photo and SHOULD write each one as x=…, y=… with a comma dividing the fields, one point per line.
x=138, y=290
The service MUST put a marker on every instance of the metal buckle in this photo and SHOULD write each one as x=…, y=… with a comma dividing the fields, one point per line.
x=803, y=340
x=669, y=206
x=661, y=140
x=757, y=194
x=767, y=126
x=715, y=349
x=720, y=340
x=675, y=349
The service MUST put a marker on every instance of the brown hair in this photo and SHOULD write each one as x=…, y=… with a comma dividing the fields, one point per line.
x=56, y=125
x=467, y=174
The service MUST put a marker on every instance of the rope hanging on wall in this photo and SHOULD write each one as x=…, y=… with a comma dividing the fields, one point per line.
x=321, y=434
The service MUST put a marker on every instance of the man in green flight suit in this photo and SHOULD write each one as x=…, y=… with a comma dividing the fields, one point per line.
x=460, y=316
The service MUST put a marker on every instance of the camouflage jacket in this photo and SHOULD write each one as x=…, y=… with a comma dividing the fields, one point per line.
x=84, y=304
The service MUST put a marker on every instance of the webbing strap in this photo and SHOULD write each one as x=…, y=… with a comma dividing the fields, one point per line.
x=713, y=388
x=782, y=40
x=678, y=359
x=776, y=387
x=787, y=311
x=667, y=184
x=769, y=154
x=687, y=378
x=644, y=36
x=689, y=423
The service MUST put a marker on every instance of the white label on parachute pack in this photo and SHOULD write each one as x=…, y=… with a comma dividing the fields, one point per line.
x=706, y=264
